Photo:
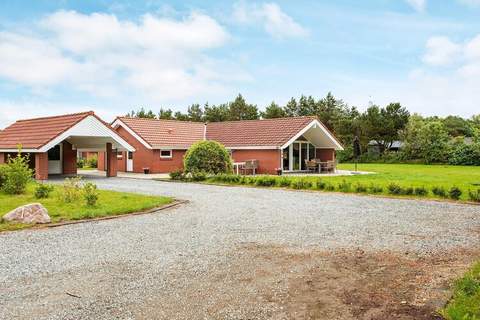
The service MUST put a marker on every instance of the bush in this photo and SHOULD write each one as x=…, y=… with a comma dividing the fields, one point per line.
x=474, y=195
x=439, y=192
x=90, y=194
x=408, y=191
x=284, y=182
x=301, y=184
x=71, y=189
x=265, y=181
x=376, y=189
x=42, y=190
x=320, y=184
x=360, y=188
x=3, y=174
x=199, y=176
x=463, y=154
x=80, y=163
x=454, y=193
x=208, y=156
x=345, y=186
x=395, y=189
x=17, y=174
x=177, y=175
x=329, y=187
x=420, y=191
x=92, y=162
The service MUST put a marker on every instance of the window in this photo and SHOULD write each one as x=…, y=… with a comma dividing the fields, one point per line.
x=54, y=153
x=165, y=154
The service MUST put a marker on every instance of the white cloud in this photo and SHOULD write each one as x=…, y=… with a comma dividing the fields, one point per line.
x=418, y=5
x=275, y=22
x=160, y=58
x=441, y=51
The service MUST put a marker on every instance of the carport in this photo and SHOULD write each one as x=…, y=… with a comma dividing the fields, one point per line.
x=53, y=142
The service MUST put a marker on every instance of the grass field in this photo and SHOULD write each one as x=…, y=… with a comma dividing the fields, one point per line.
x=109, y=203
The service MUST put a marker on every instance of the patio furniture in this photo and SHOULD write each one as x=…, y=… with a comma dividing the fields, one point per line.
x=312, y=165
x=237, y=166
x=330, y=166
x=250, y=165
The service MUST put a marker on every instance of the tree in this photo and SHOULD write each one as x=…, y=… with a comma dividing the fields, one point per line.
x=307, y=106
x=273, y=111
x=410, y=137
x=142, y=114
x=181, y=116
x=239, y=109
x=195, y=113
x=291, y=108
x=457, y=126
x=166, y=114
x=208, y=157
x=433, y=142
x=216, y=113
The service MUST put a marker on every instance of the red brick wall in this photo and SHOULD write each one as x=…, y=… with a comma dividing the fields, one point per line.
x=2, y=158
x=69, y=159
x=41, y=166
x=268, y=160
x=101, y=161
x=326, y=154
x=122, y=161
x=163, y=165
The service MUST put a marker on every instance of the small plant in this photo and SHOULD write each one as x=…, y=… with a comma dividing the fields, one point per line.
x=395, y=189
x=320, y=184
x=17, y=174
x=80, y=163
x=360, y=188
x=474, y=195
x=375, y=189
x=92, y=162
x=90, y=194
x=439, y=192
x=344, y=186
x=199, y=176
x=71, y=189
x=42, y=190
x=420, y=191
x=265, y=181
x=177, y=175
x=454, y=193
x=301, y=184
x=284, y=182
x=329, y=187
x=3, y=174
x=408, y=191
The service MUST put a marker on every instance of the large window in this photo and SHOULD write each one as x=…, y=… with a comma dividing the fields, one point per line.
x=165, y=154
x=295, y=155
x=54, y=153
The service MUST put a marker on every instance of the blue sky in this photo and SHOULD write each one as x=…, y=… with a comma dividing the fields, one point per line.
x=68, y=56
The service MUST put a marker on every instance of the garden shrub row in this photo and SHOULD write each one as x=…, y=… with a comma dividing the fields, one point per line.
x=453, y=193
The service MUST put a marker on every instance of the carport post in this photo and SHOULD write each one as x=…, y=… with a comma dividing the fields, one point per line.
x=41, y=166
x=111, y=161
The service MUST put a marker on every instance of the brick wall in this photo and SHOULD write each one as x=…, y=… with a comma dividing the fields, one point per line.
x=2, y=158
x=268, y=160
x=69, y=159
x=326, y=154
x=41, y=166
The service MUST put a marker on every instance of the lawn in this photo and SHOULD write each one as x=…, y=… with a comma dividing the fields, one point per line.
x=465, y=303
x=109, y=203
x=409, y=177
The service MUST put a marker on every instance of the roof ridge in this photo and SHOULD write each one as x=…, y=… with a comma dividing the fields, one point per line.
x=270, y=119
x=161, y=120
x=58, y=116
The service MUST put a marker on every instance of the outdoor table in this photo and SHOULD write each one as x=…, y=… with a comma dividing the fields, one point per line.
x=237, y=165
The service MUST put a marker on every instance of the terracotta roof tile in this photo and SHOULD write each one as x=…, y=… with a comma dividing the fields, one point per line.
x=268, y=132
x=166, y=133
x=34, y=133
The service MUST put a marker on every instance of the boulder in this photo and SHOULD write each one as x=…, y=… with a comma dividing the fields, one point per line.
x=30, y=213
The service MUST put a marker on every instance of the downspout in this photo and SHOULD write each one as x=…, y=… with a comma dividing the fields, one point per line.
x=205, y=131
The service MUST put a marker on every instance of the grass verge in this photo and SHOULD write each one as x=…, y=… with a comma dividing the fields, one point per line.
x=110, y=203
x=465, y=303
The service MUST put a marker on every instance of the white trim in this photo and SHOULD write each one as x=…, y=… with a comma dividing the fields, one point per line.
x=73, y=132
x=204, y=131
x=119, y=122
x=170, y=148
x=308, y=127
x=253, y=148
x=166, y=157
x=16, y=150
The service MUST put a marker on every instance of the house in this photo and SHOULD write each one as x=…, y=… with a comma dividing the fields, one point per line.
x=52, y=143
x=278, y=144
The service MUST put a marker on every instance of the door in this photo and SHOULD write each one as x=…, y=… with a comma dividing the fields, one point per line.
x=129, y=161
x=55, y=160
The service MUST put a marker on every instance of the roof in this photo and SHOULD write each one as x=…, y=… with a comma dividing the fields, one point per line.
x=259, y=133
x=35, y=133
x=165, y=133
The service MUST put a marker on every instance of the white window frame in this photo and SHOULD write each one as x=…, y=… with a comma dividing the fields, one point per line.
x=166, y=157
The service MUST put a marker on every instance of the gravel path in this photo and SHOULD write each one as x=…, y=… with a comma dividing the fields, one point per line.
x=116, y=266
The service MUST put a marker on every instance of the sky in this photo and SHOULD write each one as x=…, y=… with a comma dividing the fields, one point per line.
x=62, y=56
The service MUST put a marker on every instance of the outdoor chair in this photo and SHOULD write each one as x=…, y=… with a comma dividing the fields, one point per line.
x=330, y=166
x=312, y=165
x=250, y=165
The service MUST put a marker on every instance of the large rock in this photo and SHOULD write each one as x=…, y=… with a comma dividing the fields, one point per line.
x=30, y=213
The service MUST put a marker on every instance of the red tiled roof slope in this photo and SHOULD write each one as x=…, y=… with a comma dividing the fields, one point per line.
x=166, y=133
x=267, y=132
x=35, y=133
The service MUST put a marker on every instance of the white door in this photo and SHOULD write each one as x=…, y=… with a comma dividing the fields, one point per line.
x=129, y=161
x=55, y=160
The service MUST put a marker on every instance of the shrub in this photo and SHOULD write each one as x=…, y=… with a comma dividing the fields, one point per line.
x=395, y=189
x=3, y=174
x=360, y=188
x=177, y=175
x=199, y=176
x=208, y=156
x=80, y=163
x=474, y=195
x=345, y=186
x=463, y=154
x=90, y=194
x=92, y=162
x=408, y=191
x=376, y=189
x=71, y=189
x=329, y=187
x=265, y=181
x=42, y=190
x=420, y=191
x=301, y=184
x=439, y=192
x=320, y=184
x=284, y=182
x=17, y=174
x=454, y=193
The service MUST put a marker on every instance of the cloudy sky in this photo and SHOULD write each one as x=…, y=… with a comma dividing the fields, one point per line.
x=113, y=56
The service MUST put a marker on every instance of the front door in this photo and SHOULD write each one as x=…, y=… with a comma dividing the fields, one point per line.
x=129, y=161
x=55, y=160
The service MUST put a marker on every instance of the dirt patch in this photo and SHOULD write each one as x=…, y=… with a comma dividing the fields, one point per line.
x=272, y=282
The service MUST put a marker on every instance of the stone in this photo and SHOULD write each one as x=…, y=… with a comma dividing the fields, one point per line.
x=30, y=213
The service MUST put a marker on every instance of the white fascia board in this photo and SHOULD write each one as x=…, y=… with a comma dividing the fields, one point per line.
x=119, y=122
x=88, y=127
x=254, y=148
x=23, y=150
x=308, y=127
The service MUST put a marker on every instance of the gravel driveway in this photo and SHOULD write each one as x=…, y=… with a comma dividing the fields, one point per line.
x=145, y=266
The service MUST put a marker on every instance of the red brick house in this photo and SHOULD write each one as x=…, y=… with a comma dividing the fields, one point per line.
x=283, y=143
x=53, y=142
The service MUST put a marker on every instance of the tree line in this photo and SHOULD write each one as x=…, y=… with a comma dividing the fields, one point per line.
x=435, y=139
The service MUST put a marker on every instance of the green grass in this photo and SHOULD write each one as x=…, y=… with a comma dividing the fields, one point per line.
x=409, y=177
x=109, y=203
x=465, y=303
